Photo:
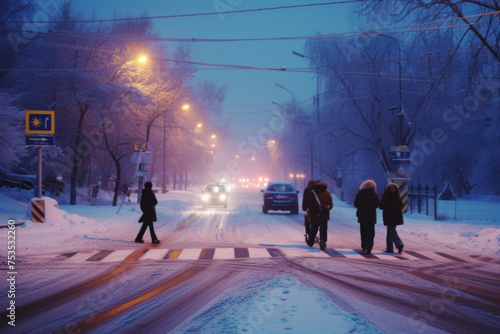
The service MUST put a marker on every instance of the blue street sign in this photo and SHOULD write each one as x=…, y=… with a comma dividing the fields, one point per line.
x=40, y=122
x=39, y=140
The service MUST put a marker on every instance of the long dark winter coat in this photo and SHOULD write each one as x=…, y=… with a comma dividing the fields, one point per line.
x=148, y=203
x=366, y=202
x=391, y=204
x=309, y=201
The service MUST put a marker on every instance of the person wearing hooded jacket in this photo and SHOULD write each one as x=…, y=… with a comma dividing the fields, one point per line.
x=148, y=203
x=307, y=220
x=391, y=206
x=311, y=206
x=367, y=202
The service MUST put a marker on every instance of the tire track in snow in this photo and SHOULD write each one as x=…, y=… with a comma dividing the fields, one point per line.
x=452, y=318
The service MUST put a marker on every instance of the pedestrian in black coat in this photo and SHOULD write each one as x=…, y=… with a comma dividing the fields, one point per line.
x=391, y=206
x=307, y=219
x=310, y=204
x=148, y=203
x=366, y=202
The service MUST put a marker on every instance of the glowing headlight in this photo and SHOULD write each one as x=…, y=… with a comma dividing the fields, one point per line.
x=204, y=197
x=222, y=197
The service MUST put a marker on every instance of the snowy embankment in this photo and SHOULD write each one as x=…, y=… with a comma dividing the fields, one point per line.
x=82, y=227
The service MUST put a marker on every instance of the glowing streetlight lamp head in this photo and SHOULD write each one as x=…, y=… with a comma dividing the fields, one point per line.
x=199, y=125
x=214, y=136
x=185, y=107
x=213, y=145
x=143, y=59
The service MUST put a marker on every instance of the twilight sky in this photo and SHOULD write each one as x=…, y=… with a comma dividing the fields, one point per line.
x=250, y=92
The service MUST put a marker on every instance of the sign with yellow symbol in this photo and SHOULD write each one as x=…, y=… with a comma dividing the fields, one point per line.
x=40, y=122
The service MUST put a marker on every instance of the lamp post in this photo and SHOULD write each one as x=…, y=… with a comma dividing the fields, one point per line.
x=317, y=113
x=164, y=169
x=286, y=139
x=400, y=139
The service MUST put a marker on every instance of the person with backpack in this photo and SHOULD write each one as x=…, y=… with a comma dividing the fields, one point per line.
x=148, y=204
x=317, y=203
x=391, y=206
x=367, y=202
x=307, y=219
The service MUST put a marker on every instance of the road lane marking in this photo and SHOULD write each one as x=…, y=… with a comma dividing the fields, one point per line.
x=259, y=252
x=119, y=255
x=207, y=254
x=173, y=254
x=350, y=253
x=82, y=256
x=224, y=253
x=417, y=255
x=228, y=253
x=387, y=256
x=155, y=254
x=185, y=275
x=190, y=254
x=99, y=256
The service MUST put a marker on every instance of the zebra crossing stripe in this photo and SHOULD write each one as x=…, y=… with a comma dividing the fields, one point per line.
x=155, y=254
x=258, y=252
x=389, y=257
x=190, y=254
x=207, y=254
x=417, y=255
x=82, y=256
x=118, y=255
x=244, y=253
x=99, y=256
x=224, y=253
x=451, y=257
x=173, y=254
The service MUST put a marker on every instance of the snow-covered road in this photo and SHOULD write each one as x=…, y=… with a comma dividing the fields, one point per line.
x=237, y=270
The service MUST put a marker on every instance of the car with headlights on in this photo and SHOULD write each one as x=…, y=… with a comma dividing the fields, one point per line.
x=214, y=195
x=280, y=196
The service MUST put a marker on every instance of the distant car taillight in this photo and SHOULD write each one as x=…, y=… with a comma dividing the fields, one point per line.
x=294, y=196
x=268, y=196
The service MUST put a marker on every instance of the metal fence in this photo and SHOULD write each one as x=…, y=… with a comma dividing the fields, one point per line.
x=423, y=200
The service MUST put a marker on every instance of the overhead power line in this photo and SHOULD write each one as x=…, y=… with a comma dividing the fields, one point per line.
x=390, y=30
x=200, y=14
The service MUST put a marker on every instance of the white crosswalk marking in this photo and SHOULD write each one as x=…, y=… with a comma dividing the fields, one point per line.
x=303, y=251
x=386, y=256
x=82, y=256
x=190, y=254
x=118, y=255
x=154, y=254
x=350, y=253
x=408, y=256
x=258, y=252
x=224, y=253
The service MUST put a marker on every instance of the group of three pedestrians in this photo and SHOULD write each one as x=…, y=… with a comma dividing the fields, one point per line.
x=317, y=203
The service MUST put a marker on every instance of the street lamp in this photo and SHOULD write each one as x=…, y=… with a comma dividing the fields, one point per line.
x=164, y=176
x=400, y=138
x=317, y=113
x=293, y=105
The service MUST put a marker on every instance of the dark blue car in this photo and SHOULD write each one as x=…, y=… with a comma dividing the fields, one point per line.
x=280, y=196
